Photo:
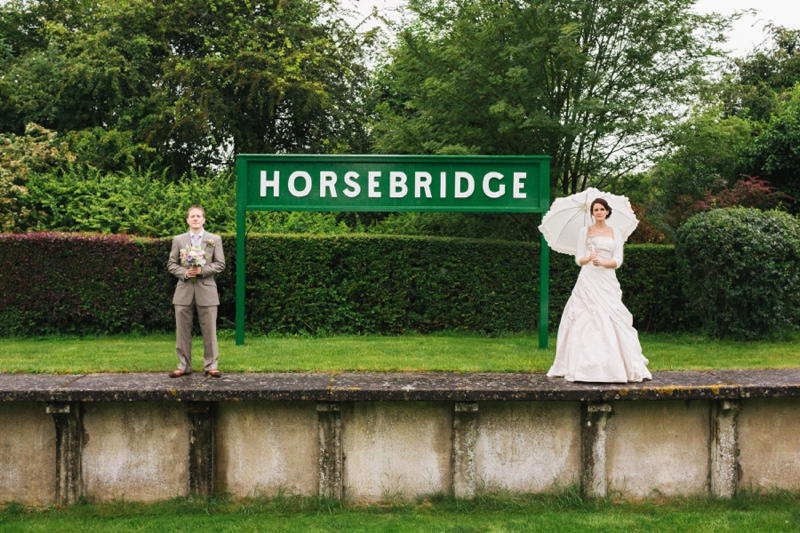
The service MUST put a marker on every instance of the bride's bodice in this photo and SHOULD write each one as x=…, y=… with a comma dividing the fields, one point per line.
x=604, y=246
x=607, y=248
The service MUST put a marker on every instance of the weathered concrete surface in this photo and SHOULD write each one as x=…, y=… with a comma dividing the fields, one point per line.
x=465, y=435
x=135, y=451
x=331, y=458
x=397, y=449
x=784, y=382
x=769, y=443
x=395, y=386
x=69, y=450
x=266, y=447
x=658, y=446
x=396, y=434
x=594, y=456
x=201, y=447
x=724, y=448
x=27, y=453
x=528, y=446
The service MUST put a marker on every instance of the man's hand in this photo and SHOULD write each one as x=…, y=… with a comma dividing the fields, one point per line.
x=193, y=272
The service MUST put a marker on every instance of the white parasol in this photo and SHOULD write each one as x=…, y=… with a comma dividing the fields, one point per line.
x=560, y=226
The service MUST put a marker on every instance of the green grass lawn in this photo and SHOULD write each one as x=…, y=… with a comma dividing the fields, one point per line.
x=554, y=513
x=453, y=352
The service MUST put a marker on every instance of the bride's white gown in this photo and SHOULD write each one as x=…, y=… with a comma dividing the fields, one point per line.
x=596, y=339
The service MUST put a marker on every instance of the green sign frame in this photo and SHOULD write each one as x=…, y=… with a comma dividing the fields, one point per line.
x=391, y=183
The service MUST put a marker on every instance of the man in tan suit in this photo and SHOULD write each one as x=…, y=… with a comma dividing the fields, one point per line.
x=196, y=290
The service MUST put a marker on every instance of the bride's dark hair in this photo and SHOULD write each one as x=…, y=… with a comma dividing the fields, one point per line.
x=604, y=204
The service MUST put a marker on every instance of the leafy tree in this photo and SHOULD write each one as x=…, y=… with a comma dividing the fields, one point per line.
x=589, y=82
x=21, y=158
x=756, y=83
x=775, y=153
x=742, y=128
x=186, y=84
x=704, y=161
x=750, y=191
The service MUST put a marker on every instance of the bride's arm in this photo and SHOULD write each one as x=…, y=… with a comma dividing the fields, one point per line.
x=616, y=255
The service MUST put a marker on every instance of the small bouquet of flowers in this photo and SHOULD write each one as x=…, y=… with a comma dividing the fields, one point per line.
x=193, y=256
x=591, y=242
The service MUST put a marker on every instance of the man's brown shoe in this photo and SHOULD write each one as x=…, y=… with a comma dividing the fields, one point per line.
x=178, y=373
x=214, y=374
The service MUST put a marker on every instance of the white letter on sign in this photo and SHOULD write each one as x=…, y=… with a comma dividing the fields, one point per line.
x=327, y=180
x=464, y=176
x=397, y=185
x=501, y=190
x=350, y=180
x=372, y=184
x=518, y=185
x=293, y=178
x=422, y=180
x=270, y=184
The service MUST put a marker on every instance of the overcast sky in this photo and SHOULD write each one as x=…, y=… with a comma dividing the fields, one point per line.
x=747, y=33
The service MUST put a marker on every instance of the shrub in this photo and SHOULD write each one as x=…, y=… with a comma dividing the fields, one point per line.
x=741, y=269
x=79, y=198
x=57, y=283
x=67, y=283
x=653, y=289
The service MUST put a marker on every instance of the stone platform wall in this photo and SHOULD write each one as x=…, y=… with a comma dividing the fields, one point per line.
x=65, y=446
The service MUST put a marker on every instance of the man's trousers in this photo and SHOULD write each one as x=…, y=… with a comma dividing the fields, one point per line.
x=184, y=319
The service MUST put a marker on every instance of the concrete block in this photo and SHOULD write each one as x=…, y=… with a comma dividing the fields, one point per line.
x=69, y=448
x=724, y=449
x=659, y=447
x=397, y=449
x=27, y=453
x=769, y=443
x=465, y=435
x=594, y=476
x=201, y=447
x=136, y=451
x=528, y=446
x=266, y=447
x=331, y=460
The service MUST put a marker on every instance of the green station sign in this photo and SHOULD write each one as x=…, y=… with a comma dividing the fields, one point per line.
x=390, y=183
x=395, y=183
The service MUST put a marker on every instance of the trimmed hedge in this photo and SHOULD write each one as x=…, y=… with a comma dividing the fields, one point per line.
x=742, y=269
x=66, y=283
x=57, y=283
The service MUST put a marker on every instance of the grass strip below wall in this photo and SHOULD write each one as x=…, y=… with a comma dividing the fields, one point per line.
x=557, y=513
x=439, y=352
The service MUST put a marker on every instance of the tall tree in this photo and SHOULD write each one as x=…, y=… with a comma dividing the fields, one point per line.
x=757, y=82
x=746, y=125
x=184, y=84
x=703, y=159
x=589, y=82
x=775, y=153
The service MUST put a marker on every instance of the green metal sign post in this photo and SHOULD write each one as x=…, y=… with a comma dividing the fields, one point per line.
x=493, y=184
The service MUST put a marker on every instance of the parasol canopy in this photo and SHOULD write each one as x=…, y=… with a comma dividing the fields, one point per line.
x=561, y=225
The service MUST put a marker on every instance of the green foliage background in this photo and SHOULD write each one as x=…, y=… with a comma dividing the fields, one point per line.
x=314, y=285
x=182, y=86
x=742, y=270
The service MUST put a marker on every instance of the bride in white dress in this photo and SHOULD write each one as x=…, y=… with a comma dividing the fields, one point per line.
x=596, y=339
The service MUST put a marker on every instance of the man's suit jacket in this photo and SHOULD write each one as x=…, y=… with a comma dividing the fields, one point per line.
x=205, y=289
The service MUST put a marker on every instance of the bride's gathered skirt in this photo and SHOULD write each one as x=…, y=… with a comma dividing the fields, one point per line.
x=596, y=339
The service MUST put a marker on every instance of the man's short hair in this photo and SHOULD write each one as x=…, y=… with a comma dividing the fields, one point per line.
x=200, y=208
